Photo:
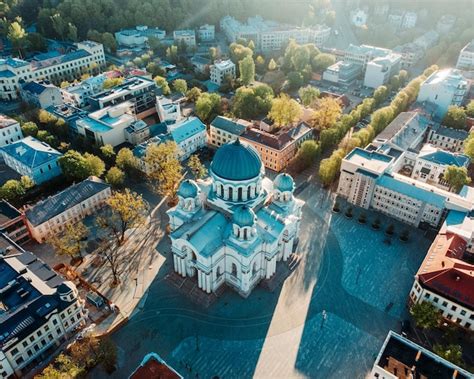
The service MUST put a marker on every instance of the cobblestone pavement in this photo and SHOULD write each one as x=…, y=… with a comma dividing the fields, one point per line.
x=328, y=320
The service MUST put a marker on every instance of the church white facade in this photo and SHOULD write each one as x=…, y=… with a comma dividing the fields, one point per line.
x=234, y=227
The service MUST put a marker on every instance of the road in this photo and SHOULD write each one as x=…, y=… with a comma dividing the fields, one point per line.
x=342, y=24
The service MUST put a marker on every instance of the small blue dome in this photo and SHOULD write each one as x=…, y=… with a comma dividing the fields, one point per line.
x=284, y=182
x=188, y=188
x=236, y=161
x=244, y=216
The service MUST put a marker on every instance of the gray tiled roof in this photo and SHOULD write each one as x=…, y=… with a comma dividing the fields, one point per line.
x=57, y=204
x=458, y=134
x=228, y=125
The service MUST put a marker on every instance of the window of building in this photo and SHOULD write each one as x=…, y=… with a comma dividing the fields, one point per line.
x=15, y=351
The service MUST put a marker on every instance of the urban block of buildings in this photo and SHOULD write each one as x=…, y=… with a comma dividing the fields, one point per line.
x=400, y=358
x=188, y=36
x=466, y=57
x=41, y=94
x=51, y=215
x=13, y=223
x=33, y=158
x=206, y=33
x=235, y=227
x=269, y=35
x=138, y=36
x=221, y=70
x=77, y=94
x=10, y=130
x=52, y=66
x=40, y=310
x=442, y=89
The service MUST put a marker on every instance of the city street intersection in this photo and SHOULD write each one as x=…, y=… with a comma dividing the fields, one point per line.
x=328, y=319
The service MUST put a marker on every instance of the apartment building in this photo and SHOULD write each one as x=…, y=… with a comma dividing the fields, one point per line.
x=10, y=130
x=222, y=69
x=379, y=70
x=446, y=279
x=86, y=56
x=206, y=33
x=223, y=130
x=410, y=53
x=33, y=158
x=40, y=310
x=277, y=147
x=187, y=36
x=168, y=109
x=41, y=94
x=138, y=90
x=343, y=73
x=107, y=125
x=400, y=358
x=466, y=57
x=447, y=138
x=269, y=35
x=432, y=162
x=442, y=89
x=363, y=54
x=138, y=36
x=79, y=93
x=76, y=202
x=13, y=223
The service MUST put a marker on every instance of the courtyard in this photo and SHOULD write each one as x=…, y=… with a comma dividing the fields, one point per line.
x=328, y=320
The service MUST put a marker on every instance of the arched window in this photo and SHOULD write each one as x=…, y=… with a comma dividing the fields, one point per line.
x=249, y=194
x=221, y=190
x=245, y=233
x=254, y=269
x=239, y=194
x=230, y=193
x=219, y=272
x=234, y=269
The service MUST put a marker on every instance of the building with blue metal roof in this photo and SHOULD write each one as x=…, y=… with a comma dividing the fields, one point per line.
x=41, y=94
x=234, y=227
x=33, y=158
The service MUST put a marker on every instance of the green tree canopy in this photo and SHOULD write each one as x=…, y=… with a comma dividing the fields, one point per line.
x=180, y=86
x=455, y=117
x=247, y=70
x=250, y=102
x=163, y=84
x=115, y=177
x=208, y=106
x=470, y=109
x=456, y=177
x=322, y=61
x=425, y=314
x=308, y=95
x=285, y=110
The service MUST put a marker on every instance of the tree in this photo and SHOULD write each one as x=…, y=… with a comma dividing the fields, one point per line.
x=85, y=352
x=69, y=241
x=107, y=151
x=125, y=160
x=456, y=177
x=380, y=94
x=327, y=113
x=109, y=42
x=213, y=54
x=193, y=94
x=166, y=168
x=308, y=94
x=29, y=129
x=469, y=146
x=285, y=111
x=455, y=117
x=180, y=86
x=294, y=79
x=307, y=154
x=115, y=177
x=328, y=170
x=96, y=166
x=272, y=65
x=37, y=42
x=250, y=102
x=12, y=190
x=238, y=52
x=172, y=53
x=470, y=109
x=112, y=82
x=247, y=70
x=62, y=368
x=108, y=354
x=17, y=36
x=26, y=182
x=197, y=168
x=208, y=105
x=251, y=45
x=425, y=314
x=322, y=61
x=126, y=210
x=451, y=352
x=163, y=84
x=74, y=166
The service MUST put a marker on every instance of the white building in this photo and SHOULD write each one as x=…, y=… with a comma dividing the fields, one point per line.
x=380, y=70
x=168, y=109
x=395, y=19
x=343, y=73
x=363, y=54
x=359, y=17
x=235, y=227
x=427, y=40
x=447, y=138
x=411, y=53
x=223, y=130
x=76, y=202
x=432, y=162
x=409, y=20
x=78, y=93
x=206, y=33
x=139, y=36
x=269, y=35
x=41, y=94
x=186, y=36
x=444, y=88
x=466, y=57
x=108, y=125
x=87, y=56
x=10, y=130
x=40, y=310
x=400, y=358
x=222, y=69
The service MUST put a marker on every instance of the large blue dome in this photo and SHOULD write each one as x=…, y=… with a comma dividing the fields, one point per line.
x=187, y=189
x=284, y=182
x=244, y=216
x=236, y=161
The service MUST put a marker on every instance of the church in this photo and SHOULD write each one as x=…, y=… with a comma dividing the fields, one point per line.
x=234, y=227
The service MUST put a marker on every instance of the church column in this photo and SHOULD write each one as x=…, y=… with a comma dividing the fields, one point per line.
x=183, y=267
x=244, y=193
x=208, y=282
x=268, y=272
x=199, y=275
x=175, y=263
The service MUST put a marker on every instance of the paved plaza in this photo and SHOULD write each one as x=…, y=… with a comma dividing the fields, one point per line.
x=328, y=320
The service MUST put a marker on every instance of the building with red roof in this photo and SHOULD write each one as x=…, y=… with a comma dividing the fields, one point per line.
x=446, y=279
x=154, y=367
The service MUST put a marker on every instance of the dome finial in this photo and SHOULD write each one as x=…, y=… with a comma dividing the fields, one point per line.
x=237, y=141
